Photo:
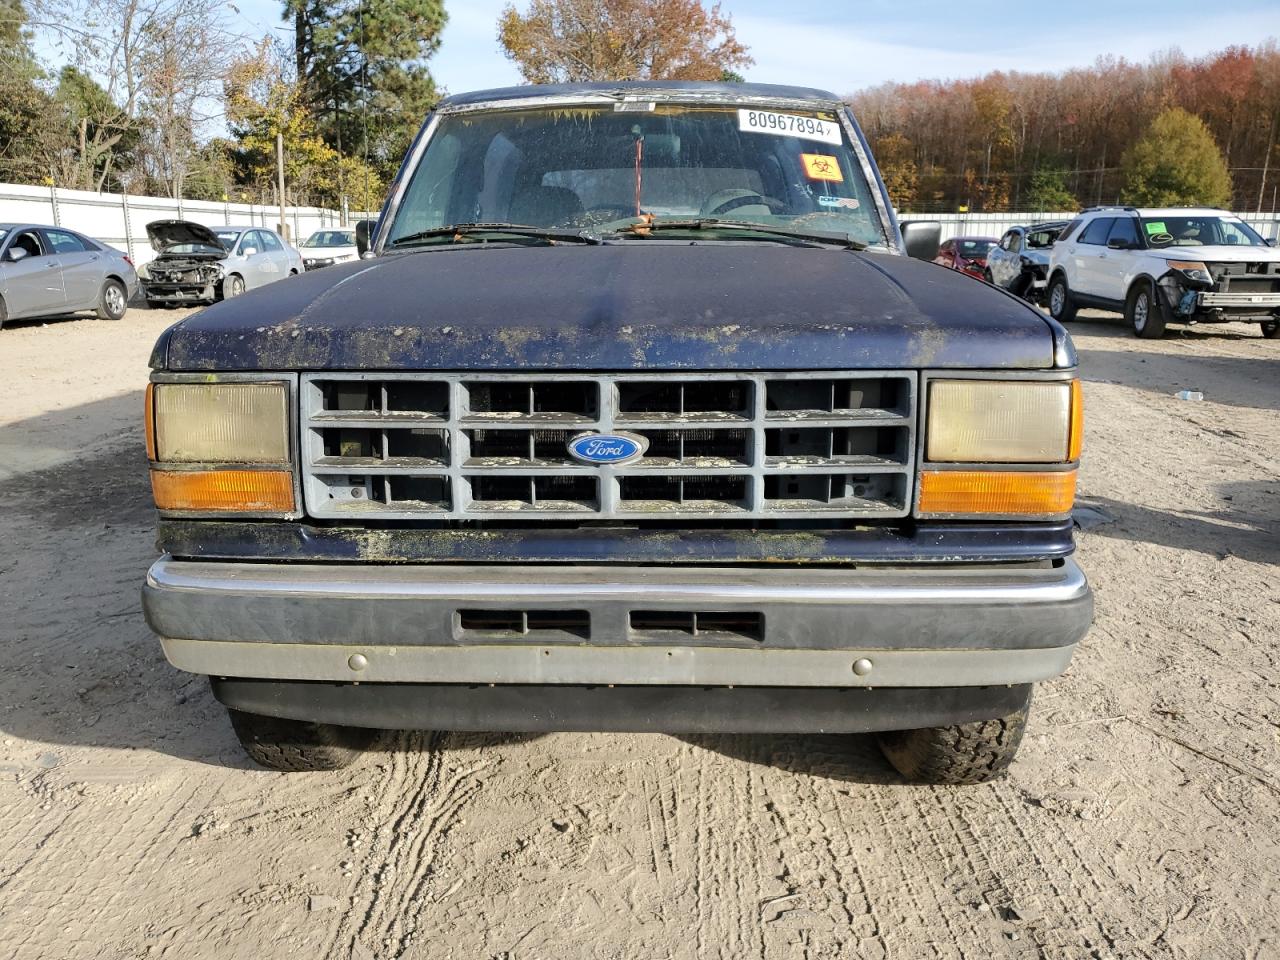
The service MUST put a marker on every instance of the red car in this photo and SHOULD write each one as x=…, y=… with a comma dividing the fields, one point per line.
x=966, y=254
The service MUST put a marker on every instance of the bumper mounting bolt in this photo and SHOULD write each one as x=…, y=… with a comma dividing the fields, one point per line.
x=862, y=666
x=357, y=661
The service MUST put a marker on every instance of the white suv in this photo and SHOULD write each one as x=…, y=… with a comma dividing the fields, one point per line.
x=1160, y=266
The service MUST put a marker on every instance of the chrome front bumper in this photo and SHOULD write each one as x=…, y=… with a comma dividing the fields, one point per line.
x=884, y=627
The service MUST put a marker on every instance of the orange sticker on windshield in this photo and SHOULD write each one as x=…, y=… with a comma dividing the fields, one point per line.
x=819, y=166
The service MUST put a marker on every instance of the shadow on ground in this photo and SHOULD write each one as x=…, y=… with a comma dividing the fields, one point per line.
x=1247, y=526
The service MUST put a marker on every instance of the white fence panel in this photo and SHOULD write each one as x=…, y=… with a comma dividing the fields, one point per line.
x=120, y=220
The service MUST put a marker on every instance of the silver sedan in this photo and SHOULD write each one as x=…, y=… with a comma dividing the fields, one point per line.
x=53, y=271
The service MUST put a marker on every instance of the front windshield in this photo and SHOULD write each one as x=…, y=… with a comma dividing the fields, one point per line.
x=331, y=238
x=975, y=248
x=597, y=168
x=227, y=238
x=1199, y=230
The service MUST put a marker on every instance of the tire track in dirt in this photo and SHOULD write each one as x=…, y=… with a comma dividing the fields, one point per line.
x=414, y=808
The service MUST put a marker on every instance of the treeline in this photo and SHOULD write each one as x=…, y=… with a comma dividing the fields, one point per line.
x=1040, y=141
x=163, y=97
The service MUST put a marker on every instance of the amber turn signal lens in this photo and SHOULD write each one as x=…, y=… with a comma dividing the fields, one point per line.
x=149, y=421
x=223, y=491
x=1075, y=442
x=996, y=493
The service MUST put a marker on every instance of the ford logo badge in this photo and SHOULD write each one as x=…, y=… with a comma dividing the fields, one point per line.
x=614, y=449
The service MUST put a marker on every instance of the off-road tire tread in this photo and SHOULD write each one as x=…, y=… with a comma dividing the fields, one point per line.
x=963, y=753
x=296, y=746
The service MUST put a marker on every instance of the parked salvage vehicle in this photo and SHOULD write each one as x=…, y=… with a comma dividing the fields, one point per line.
x=326, y=247
x=53, y=271
x=1020, y=261
x=1162, y=266
x=966, y=254
x=199, y=264
x=656, y=425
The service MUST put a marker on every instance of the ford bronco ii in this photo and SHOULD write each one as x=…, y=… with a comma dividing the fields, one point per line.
x=635, y=416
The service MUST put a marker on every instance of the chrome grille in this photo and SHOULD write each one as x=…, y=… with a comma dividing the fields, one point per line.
x=475, y=446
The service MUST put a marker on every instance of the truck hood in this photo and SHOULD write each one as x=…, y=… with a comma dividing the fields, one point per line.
x=164, y=234
x=639, y=305
x=1219, y=254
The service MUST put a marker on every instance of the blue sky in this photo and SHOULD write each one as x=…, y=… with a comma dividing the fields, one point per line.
x=845, y=46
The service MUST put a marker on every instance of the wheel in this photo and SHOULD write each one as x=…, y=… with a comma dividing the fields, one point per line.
x=4, y=313
x=1270, y=328
x=1061, y=307
x=233, y=286
x=962, y=753
x=1142, y=310
x=113, y=301
x=986, y=275
x=296, y=745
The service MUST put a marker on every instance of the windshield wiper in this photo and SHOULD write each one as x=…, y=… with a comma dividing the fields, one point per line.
x=644, y=228
x=457, y=231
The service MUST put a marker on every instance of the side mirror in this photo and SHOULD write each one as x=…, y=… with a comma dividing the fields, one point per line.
x=921, y=238
x=249, y=251
x=1118, y=244
x=14, y=254
x=364, y=234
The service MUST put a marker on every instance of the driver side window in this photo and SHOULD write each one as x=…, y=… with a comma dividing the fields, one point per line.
x=250, y=244
x=28, y=241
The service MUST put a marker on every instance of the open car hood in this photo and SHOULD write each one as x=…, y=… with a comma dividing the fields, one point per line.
x=164, y=234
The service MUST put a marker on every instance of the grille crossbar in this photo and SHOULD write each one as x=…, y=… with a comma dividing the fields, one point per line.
x=475, y=446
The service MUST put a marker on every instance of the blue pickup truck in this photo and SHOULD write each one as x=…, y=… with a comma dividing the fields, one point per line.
x=640, y=411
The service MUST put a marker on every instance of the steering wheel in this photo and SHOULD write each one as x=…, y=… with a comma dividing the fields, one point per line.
x=747, y=200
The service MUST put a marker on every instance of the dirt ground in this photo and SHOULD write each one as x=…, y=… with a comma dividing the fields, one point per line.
x=1141, y=820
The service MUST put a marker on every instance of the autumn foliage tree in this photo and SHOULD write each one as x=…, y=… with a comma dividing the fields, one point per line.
x=1039, y=141
x=565, y=41
x=1176, y=162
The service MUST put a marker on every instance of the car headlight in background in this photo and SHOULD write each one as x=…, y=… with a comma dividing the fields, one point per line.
x=143, y=273
x=974, y=424
x=1192, y=270
x=220, y=447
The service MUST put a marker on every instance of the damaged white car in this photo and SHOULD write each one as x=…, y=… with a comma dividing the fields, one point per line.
x=198, y=264
x=1162, y=266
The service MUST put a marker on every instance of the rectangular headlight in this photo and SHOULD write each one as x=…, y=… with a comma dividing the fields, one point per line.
x=221, y=422
x=997, y=421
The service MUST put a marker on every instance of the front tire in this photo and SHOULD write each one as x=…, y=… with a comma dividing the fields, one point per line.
x=962, y=753
x=293, y=746
x=1061, y=307
x=233, y=286
x=1143, y=312
x=1270, y=328
x=113, y=301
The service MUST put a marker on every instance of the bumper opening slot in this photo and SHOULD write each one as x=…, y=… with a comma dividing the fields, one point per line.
x=688, y=623
x=512, y=624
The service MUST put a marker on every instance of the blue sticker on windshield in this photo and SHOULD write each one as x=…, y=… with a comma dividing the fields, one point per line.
x=844, y=203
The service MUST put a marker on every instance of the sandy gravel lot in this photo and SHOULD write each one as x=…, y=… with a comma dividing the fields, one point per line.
x=1142, y=819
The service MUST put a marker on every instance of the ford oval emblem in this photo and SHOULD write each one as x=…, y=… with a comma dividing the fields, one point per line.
x=613, y=449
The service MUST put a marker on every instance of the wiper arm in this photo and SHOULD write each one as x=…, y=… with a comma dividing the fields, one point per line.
x=456, y=231
x=644, y=227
